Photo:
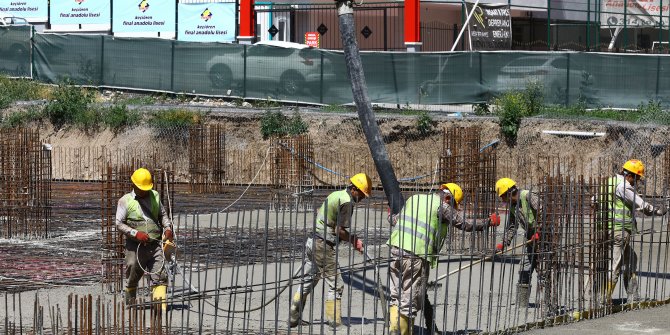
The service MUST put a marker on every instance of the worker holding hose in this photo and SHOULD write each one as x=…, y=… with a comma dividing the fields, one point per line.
x=333, y=220
x=420, y=230
x=526, y=211
x=141, y=217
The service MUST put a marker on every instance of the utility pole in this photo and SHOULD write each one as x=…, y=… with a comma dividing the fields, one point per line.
x=345, y=11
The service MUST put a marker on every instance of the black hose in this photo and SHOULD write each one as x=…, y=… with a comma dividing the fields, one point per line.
x=364, y=108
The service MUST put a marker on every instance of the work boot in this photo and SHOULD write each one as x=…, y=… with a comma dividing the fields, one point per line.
x=130, y=296
x=406, y=325
x=633, y=294
x=394, y=322
x=522, y=295
x=609, y=289
x=297, y=305
x=334, y=313
x=159, y=296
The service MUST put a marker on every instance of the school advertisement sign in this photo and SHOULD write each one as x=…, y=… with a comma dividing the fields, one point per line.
x=206, y=22
x=79, y=12
x=143, y=16
x=31, y=10
x=638, y=13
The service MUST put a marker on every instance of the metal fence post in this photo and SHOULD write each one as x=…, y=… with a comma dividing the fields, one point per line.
x=625, y=23
x=567, y=84
x=548, y=24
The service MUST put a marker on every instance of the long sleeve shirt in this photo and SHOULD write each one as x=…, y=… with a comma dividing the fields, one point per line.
x=163, y=219
x=519, y=218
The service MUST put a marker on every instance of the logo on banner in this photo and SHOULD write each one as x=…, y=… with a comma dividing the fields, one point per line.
x=79, y=1
x=144, y=5
x=206, y=14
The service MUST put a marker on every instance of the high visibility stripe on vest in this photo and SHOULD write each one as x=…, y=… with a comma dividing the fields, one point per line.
x=527, y=211
x=136, y=220
x=622, y=215
x=328, y=212
x=418, y=229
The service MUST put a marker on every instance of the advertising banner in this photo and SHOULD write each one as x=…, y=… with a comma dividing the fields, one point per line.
x=490, y=27
x=207, y=22
x=639, y=13
x=79, y=12
x=143, y=16
x=312, y=38
x=31, y=10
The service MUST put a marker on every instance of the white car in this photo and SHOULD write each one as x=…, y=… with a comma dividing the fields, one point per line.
x=551, y=71
x=6, y=21
x=16, y=51
x=290, y=67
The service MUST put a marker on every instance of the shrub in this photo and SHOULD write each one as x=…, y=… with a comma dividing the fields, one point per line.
x=118, y=117
x=424, y=124
x=513, y=106
x=19, y=89
x=277, y=124
x=22, y=118
x=69, y=105
x=175, y=118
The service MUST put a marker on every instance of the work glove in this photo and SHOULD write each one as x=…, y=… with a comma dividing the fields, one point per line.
x=535, y=237
x=140, y=235
x=500, y=247
x=167, y=235
x=494, y=220
x=357, y=243
x=660, y=211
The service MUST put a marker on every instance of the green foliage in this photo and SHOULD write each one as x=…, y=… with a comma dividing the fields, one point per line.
x=22, y=118
x=336, y=109
x=652, y=111
x=424, y=124
x=587, y=94
x=118, y=117
x=276, y=124
x=482, y=109
x=268, y=103
x=69, y=105
x=513, y=106
x=19, y=89
x=175, y=118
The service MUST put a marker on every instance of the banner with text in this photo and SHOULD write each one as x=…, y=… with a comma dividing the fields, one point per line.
x=79, y=12
x=206, y=22
x=639, y=13
x=144, y=16
x=31, y=10
x=490, y=27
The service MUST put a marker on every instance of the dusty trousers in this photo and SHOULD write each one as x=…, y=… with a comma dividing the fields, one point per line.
x=321, y=262
x=147, y=258
x=409, y=276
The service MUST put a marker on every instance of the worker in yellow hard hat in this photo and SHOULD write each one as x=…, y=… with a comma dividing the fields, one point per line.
x=526, y=211
x=419, y=233
x=622, y=200
x=333, y=220
x=141, y=217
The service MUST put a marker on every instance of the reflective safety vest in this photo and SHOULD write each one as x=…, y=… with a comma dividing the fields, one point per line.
x=622, y=215
x=326, y=219
x=419, y=229
x=528, y=212
x=136, y=220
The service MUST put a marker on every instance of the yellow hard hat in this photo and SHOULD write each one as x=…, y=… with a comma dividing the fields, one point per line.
x=142, y=179
x=363, y=183
x=503, y=185
x=455, y=190
x=634, y=166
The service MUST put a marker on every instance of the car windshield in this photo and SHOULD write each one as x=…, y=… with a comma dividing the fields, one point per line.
x=16, y=21
x=527, y=62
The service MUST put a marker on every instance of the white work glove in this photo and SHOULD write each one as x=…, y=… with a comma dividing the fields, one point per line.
x=660, y=211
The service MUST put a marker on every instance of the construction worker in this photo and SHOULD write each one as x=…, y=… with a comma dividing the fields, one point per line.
x=333, y=220
x=624, y=200
x=141, y=217
x=419, y=232
x=525, y=209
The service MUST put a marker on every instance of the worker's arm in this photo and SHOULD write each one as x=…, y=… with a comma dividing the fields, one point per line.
x=166, y=223
x=343, y=223
x=510, y=227
x=121, y=215
x=455, y=218
x=631, y=199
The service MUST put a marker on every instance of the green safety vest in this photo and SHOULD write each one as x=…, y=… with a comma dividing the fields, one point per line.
x=418, y=229
x=527, y=211
x=327, y=215
x=135, y=220
x=623, y=217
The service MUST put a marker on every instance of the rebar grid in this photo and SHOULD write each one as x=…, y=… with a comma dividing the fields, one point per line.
x=25, y=184
x=292, y=175
x=207, y=157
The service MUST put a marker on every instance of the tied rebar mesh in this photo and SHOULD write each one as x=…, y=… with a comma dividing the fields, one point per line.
x=116, y=183
x=25, y=184
x=292, y=175
x=207, y=158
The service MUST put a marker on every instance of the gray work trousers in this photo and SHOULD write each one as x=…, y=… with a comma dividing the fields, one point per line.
x=624, y=256
x=321, y=262
x=147, y=258
x=409, y=276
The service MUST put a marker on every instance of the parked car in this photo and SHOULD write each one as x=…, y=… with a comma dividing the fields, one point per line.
x=14, y=51
x=291, y=67
x=13, y=21
x=551, y=71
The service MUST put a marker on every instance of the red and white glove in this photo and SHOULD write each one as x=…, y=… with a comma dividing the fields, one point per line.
x=500, y=247
x=167, y=235
x=357, y=243
x=494, y=220
x=140, y=235
x=535, y=237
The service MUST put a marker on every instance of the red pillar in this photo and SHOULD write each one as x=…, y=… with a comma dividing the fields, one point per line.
x=412, y=25
x=247, y=22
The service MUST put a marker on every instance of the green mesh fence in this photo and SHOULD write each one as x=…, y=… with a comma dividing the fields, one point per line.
x=15, y=51
x=320, y=76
